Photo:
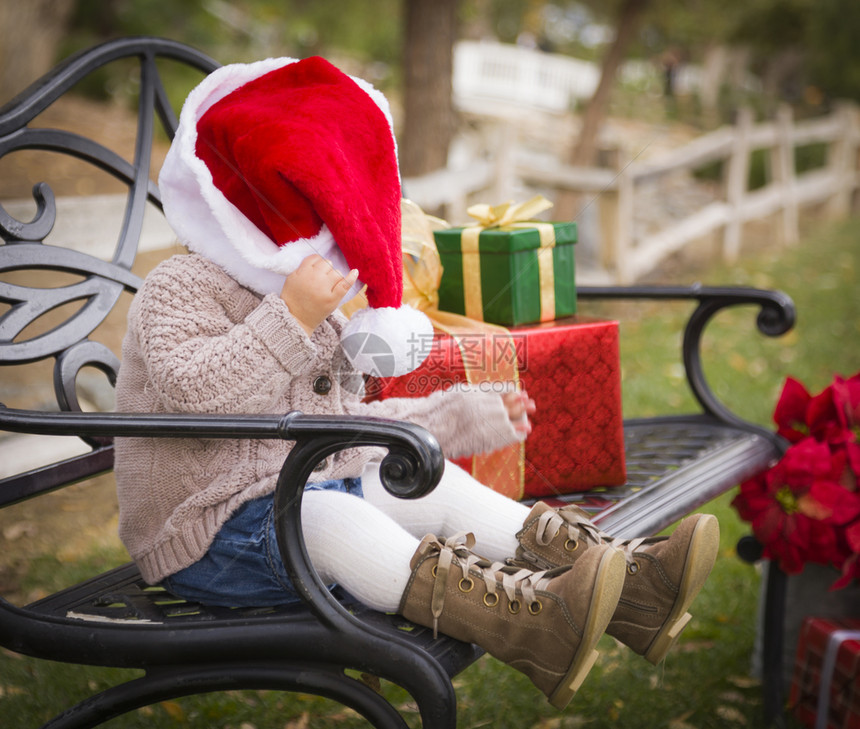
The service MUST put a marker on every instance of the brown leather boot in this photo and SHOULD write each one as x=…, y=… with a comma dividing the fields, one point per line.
x=545, y=624
x=664, y=574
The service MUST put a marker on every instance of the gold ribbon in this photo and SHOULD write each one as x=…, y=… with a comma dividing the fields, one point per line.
x=511, y=216
x=546, y=270
x=487, y=350
x=498, y=216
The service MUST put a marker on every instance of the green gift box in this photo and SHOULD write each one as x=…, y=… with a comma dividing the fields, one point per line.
x=516, y=274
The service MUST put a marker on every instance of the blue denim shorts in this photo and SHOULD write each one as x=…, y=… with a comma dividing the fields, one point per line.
x=243, y=567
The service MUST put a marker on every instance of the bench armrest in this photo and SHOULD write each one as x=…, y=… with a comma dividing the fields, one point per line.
x=412, y=467
x=776, y=316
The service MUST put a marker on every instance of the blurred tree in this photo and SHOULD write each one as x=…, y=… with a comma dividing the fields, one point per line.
x=367, y=30
x=30, y=31
x=801, y=45
x=831, y=41
x=430, y=29
x=629, y=20
x=803, y=51
x=699, y=32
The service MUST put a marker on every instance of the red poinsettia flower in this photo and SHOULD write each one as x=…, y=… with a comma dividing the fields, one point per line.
x=823, y=417
x=850, y=572
x=805, y=463
x=790, y=412
x=791, y=506
x=827, y=500
x=806, y=508
x=846, y=394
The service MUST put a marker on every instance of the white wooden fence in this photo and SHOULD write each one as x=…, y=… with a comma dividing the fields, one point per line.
x=625, y=255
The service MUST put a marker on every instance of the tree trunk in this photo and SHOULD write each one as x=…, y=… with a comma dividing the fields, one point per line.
x=30, y=31
x=569, y=203
x=428, y=63
x=714, y=71
x=585, y=151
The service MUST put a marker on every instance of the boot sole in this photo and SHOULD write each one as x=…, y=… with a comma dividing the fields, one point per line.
x=607, y=591
x=701, y=555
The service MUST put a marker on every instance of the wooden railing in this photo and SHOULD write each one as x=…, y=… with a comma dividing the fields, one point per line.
x=626, y=255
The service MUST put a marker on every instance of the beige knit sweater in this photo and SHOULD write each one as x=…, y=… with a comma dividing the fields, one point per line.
x=198, y=342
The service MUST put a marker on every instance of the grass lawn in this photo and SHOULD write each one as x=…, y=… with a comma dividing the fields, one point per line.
x=706, y=681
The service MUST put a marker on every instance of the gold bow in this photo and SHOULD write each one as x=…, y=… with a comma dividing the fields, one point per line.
x=508, y=215
x=498, y=216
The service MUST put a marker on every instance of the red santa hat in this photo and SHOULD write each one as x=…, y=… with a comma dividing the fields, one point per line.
x=277, y=160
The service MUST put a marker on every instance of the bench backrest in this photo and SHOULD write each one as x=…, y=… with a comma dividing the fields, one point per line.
x=55, y=295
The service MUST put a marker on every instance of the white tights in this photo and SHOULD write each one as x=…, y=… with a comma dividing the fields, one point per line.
x=365, y=545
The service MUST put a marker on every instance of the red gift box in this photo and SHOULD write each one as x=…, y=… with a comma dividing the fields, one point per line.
x=825, y=688
x=571, y=369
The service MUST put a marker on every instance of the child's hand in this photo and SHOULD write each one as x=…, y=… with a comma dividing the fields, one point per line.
x=519, y=406
x=314, y=290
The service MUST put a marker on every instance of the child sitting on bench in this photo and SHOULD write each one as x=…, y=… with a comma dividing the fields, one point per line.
x=283, y=184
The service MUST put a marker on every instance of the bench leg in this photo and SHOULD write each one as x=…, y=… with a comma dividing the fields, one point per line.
x=163, y=684
x=772, y=646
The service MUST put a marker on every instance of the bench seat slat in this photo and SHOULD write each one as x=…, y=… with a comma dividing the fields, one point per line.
x=120, y=597
x=699, y=458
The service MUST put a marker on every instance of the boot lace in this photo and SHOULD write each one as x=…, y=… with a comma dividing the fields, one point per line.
x=520, y=585
x=580, y=528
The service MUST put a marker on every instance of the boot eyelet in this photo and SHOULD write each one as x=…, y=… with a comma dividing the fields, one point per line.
x=466, y=584
x=514, y=607
x=571, y=545
x=491, y=599
x=535, y=607
x=434, y=570
x=633, y=567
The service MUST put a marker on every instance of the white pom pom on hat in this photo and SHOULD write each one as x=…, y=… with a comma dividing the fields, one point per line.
x=281, y=159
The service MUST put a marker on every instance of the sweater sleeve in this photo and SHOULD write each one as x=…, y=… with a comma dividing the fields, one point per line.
x=199, y=359
x=465, y=420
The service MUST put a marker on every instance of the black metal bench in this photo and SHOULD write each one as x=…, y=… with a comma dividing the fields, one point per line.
x=675, y=463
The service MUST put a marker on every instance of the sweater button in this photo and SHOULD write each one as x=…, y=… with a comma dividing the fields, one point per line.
x=322, y=385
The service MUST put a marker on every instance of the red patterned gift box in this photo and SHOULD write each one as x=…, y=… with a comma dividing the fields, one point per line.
x=825, y=688
x=571, y=369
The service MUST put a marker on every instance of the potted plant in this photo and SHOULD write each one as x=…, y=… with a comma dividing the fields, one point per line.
x=806, y=507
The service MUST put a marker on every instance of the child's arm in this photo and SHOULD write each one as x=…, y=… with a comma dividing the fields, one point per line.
x=466, y=419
